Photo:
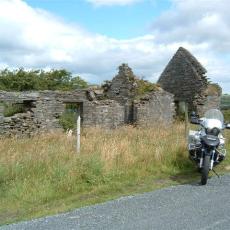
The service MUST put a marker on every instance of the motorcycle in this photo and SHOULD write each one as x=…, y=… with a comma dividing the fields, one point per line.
x=206, y=145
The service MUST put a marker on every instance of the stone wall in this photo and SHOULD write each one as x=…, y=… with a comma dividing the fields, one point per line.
x=109, y=107
x=122, y=89
x=19, y=125
x=185, y=77
x=43, y=110
x=105, y=114
x=154, y=108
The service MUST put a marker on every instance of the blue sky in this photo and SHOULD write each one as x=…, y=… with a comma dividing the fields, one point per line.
x=116, y=21
x=91, y=38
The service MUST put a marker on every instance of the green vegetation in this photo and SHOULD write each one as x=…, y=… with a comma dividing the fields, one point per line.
x=144, y=87
x=11, y=109
x=44, y=175
x=68, y=120
x=225, y=106
x=225, y=101
x=226, y=115
x=22, y=80
x=214, y=89
x=69, y=117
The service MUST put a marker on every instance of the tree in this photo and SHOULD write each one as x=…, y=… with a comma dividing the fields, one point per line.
x=22, y=80
x=78, y=83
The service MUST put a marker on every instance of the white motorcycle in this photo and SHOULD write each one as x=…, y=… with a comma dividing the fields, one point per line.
x=206, y=145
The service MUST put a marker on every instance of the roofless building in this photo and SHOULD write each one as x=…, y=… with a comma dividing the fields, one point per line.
x=186, y=79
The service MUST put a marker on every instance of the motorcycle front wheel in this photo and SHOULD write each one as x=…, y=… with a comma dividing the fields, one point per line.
x=205, y=170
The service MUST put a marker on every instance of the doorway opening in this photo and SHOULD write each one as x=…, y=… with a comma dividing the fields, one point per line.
x=68, y=119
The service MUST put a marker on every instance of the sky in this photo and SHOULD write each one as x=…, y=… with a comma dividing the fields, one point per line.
x=91, y=38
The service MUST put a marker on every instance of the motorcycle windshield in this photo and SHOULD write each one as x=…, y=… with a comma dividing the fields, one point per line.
x=215, y=114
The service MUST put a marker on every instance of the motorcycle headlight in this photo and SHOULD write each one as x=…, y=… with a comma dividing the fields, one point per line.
x=213, y=131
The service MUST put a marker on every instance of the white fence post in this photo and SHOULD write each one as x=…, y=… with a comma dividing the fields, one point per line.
x=78, y=133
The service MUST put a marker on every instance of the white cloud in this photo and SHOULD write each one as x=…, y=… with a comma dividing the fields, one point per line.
x=112, y=2
x=34, y=38
x=205, y=26
x=208, y=21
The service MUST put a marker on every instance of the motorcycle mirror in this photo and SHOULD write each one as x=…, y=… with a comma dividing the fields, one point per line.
x=195, y=120
x=193, y=113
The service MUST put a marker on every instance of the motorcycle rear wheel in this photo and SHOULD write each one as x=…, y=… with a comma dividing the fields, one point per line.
x=205, y=170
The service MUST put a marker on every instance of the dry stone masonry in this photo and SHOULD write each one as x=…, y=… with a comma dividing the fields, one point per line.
x=109, y=107
x=153, y=108
x=185, y=78
x=123, y=90
x=104, y=113
x=117, y=102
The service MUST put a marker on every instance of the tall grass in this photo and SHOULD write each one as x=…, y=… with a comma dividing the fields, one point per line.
x=44, y=174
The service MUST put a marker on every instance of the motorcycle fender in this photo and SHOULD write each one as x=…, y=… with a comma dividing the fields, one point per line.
x=208, y=153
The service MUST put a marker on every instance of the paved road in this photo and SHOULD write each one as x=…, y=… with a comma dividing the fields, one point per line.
x=179, y=207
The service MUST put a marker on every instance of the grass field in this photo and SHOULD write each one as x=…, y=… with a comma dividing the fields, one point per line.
x=44, y=175
x=225, y=101
x=225, y=106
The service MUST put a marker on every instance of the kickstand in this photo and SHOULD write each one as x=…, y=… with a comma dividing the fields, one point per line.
x=216, y=173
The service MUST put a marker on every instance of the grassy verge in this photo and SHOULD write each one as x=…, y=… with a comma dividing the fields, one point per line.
x=44, y=175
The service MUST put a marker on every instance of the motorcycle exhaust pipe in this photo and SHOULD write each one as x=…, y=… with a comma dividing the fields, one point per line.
x=211, y=164
x=212, y=160
x=201, y=162
x=202, y=158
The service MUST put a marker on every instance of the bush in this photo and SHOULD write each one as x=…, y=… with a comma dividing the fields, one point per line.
x=12, y=109
x=22, y=80
x=68, y=120
x=144, y=87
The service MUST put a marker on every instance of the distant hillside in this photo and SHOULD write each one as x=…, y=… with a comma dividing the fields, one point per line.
x=225, y=101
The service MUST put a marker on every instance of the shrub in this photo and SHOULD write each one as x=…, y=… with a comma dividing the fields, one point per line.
x=23, y=80
x=12, y=109
x=144, y=87
x=68, y=120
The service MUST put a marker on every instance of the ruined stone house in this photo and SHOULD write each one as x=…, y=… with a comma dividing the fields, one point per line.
x=141, y=108
x=114, y=105
x=186, y=79
x=123, y=100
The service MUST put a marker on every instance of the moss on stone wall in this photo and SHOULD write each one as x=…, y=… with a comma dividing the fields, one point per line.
x=214, y=89
x=144, y=87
